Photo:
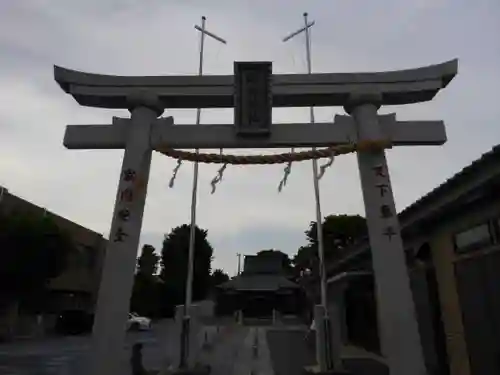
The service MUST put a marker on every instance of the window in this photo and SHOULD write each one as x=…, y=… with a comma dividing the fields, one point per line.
x=473, y=238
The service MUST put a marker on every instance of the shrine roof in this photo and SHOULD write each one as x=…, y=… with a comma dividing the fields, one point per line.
x=259, y=282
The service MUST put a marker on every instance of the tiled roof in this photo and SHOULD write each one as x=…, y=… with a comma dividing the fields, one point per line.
x=258, y=282
x=405, y=216
x=492, y=155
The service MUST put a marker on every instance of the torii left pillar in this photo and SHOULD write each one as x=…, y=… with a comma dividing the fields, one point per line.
x=121, y=253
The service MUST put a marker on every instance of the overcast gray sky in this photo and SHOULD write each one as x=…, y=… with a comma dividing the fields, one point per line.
x=152, y=37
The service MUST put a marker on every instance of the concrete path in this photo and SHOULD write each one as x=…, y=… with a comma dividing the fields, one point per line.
x=223, y=355
x=290, y=354
x=251, y=355
x=245, y=354
x=263, y=364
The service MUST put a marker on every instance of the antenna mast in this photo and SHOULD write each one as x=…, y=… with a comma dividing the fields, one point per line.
x=324, y=354
x=192, y=231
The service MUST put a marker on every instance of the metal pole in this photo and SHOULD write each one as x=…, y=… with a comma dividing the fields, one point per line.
x=194, y=191
x=319, y=217
x=192, y=230
x=239, y=262
x=326, y=350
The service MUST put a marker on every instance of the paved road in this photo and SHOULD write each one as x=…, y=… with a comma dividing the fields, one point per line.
x=67, y=355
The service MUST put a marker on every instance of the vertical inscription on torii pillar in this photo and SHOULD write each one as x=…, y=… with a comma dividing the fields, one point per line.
x=252, y=98
x=399, y=333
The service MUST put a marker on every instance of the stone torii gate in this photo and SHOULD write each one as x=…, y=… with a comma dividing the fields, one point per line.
x=361, y=95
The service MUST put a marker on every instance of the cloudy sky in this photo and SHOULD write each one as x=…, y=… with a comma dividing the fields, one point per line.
x=153, y=37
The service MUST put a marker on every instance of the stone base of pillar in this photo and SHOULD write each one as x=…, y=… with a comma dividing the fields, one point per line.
x=276, y=317
x=316, y=371
x=197, y=370
x=327, y=349
x=239, y=317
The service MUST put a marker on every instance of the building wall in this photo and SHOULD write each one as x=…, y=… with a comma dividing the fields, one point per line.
x=463, y=305
x=468, y=283
x=472, y=333
x=421, y=287
x=83, y=272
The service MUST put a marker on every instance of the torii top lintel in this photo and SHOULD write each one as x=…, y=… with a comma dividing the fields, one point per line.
x=288, y=90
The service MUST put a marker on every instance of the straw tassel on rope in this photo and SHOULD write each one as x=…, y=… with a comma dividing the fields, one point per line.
x=218, y=177
x=174, y=173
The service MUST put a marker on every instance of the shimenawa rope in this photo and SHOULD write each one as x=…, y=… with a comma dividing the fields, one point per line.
x=328, y=152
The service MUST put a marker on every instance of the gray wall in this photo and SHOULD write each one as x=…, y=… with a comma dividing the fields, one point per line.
x=478, y=283
x=424, y=311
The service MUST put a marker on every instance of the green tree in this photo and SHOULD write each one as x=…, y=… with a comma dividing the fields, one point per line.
x=34, y=251
x=218, y=277
x=147, y=263
x=147, y=285
x=339, y=232
x=174, y=265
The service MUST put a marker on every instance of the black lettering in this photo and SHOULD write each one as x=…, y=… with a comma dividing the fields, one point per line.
x=120, y=235
x=383, y=188
x=129, y=175
x=127, y=195
x=389, y=232
x=124, y=214
x=380, y=171
x=385, y=211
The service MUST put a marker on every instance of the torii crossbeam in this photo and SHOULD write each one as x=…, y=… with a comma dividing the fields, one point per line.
x=361, y=95
x=341, y=131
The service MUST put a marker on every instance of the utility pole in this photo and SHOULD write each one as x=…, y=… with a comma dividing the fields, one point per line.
x=324, y=352
x=184, y=349
x=239, y=263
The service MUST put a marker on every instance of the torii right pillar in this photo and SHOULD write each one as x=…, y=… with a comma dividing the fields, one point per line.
x=398, y=325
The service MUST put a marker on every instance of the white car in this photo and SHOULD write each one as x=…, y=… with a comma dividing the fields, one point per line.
x=138, y=323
